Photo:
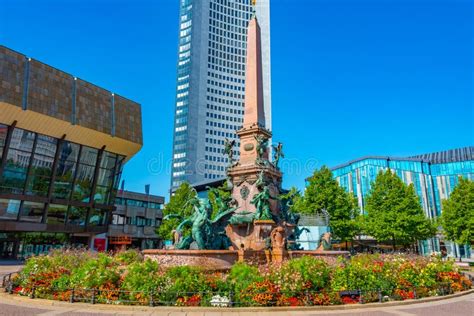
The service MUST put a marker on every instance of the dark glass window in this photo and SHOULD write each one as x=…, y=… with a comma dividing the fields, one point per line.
x=12, y=181
x=89, y=156
x=108, y=160
x=18, y=160
x=41, y=167
x=9, y=209
x=77, y=216
x=83, y=186
x=22, y=140
x=57, y=214
x=85, y=174
x=65, y=170
x=31, y=212
x=40, y=175
x=97, y=217
x=101, y=194
x=104, y=186
x=46, y=146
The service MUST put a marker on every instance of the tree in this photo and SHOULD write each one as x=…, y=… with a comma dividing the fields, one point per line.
x=394, y=212
x=325, y=194
x=179, y=205
x=293, y=200
x=457, y=217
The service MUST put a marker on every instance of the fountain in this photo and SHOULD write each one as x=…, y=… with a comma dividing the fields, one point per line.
x=254, y=224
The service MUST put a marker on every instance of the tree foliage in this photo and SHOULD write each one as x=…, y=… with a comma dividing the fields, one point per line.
x=179, y=205
x=325, y=193
x=293, y=200
x=394, y=212
x=457, y=217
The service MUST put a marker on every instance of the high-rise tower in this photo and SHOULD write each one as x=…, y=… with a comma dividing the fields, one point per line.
x=211, y=84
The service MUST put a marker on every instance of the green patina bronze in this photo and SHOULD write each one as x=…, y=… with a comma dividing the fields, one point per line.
x=229, y=150
x=207, y=233
x=261, y=201
x=261, y=148
x=278, y=153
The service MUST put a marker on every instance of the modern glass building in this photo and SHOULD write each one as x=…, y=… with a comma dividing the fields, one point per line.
x=211, y=84
x=63, y=144
x=434, y=177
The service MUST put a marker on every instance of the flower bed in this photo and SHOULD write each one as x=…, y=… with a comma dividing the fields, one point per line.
x=126, y=278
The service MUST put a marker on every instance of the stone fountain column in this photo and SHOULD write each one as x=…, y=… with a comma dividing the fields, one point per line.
x=254, y=172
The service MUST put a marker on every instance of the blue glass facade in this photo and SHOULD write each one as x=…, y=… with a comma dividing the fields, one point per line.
x=434, y=177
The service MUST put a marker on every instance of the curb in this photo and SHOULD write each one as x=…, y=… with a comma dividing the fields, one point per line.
x=44, y=302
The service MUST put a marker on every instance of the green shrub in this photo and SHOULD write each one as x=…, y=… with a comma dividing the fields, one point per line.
x=128, y=257
x=143, y=279
x=241, y=275
x=302, y=274
x=96, y=273
x=307, y=280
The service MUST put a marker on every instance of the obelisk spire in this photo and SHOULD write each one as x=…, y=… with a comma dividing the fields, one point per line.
x=254, y=111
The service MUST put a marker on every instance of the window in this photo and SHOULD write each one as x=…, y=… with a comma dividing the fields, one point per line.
x=65, y=170
x=118, y=219
x=41, y=167
x=85, y=174
x=57, y=214
x=18, y=160
x=31, y=212
x=77, y=216
x=97, y=217
x=9, y=209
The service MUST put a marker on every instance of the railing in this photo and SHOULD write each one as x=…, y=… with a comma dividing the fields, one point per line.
x=225, y=298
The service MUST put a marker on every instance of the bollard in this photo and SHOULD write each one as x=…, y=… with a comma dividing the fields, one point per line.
x=414, y=293
x=10, y=288
x=308, y=298
x=379, y=292
x=93, y=296
x=71, y=298
x=231, y=299
x=33, y=289
x=361, y=300
x=151, y=303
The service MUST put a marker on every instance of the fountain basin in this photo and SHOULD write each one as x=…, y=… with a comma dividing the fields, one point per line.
x=221, y=260
x=207, y=259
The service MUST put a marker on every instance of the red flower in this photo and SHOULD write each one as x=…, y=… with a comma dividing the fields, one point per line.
x=350, y=300
x=17, y=289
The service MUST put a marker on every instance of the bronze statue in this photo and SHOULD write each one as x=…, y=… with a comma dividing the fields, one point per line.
x=206, y=233
x=325, y=242
x=260, y=183
x=278, y=153
x=229, y=150
x=262, y=204
x=261, y=148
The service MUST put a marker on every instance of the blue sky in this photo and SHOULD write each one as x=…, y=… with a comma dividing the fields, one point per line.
x=349, y=77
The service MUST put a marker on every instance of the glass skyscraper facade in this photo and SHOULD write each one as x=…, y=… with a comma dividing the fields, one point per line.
x=211, y=84
x=434, y=177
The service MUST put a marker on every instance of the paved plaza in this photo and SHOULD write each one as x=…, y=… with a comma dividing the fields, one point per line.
x=14, y=305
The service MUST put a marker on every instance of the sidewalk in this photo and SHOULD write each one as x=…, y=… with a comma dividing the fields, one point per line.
x=9, y=266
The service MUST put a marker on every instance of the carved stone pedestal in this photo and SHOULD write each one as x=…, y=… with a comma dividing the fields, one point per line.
x=252, y=236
